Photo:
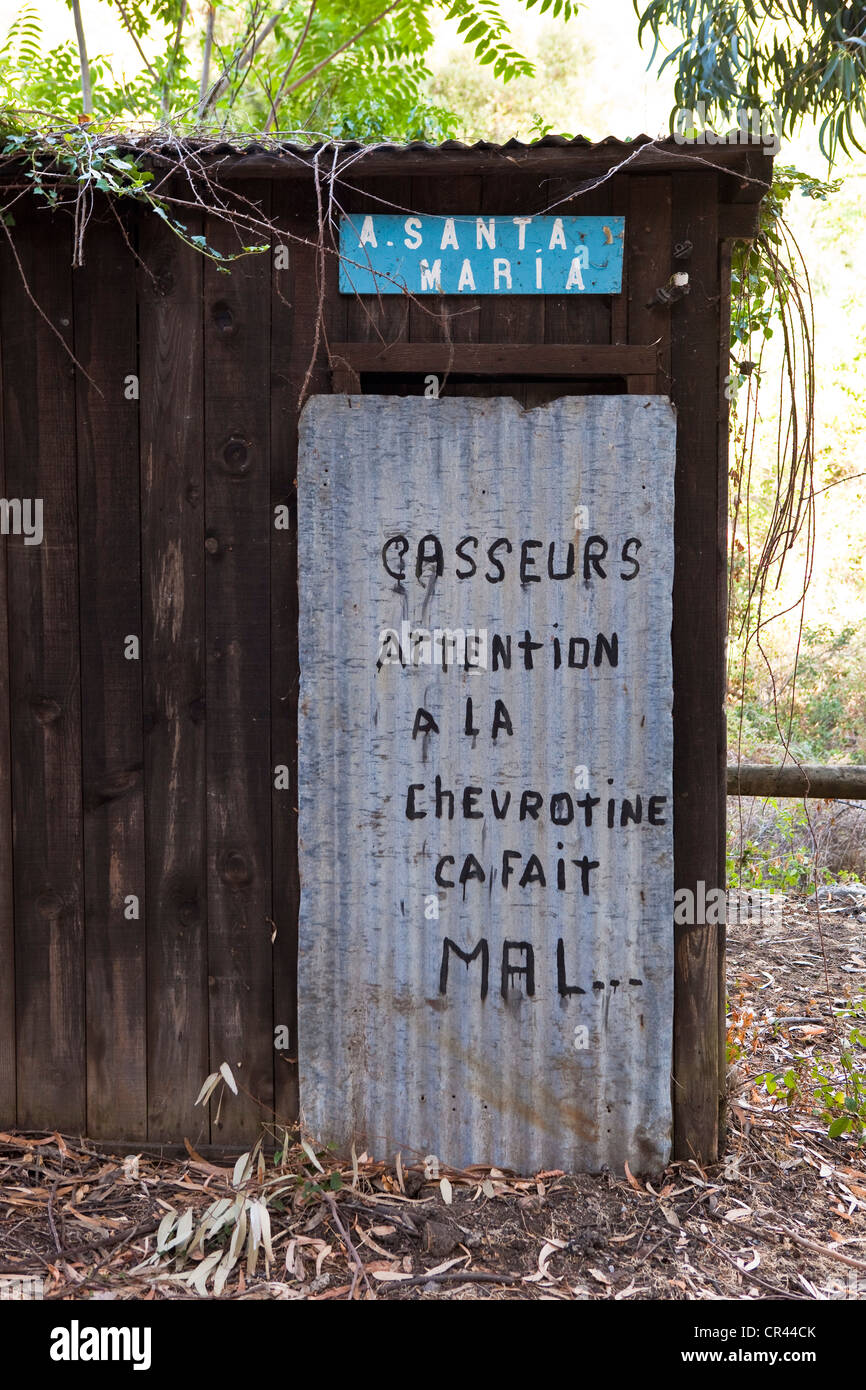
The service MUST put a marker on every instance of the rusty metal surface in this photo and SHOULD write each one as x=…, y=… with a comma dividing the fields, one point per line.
x=393, y=1055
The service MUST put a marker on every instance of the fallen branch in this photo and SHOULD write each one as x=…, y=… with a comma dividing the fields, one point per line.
x=347, y=1241
x=818, y=1249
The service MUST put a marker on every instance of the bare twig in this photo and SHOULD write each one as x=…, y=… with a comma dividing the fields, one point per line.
x=347, y=1241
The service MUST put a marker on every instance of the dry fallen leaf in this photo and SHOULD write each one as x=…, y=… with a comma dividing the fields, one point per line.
x=748, y=1265
x=738, y=1214
x=446, y=1265
x=632, y=1180
x=670, y=1216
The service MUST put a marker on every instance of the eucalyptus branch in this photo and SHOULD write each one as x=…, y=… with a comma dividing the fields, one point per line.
x=84, y=65
x=398, y=4
x=298, y=46
x=205, y=62
x=245, y=53
x=241, y=77
x=170, y=65
x=130, y=29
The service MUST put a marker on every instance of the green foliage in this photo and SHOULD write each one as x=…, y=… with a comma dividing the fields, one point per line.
x=352, y=70
x=833, y=1089
x=570, y=72
x=47, y=83
x=482, y=25
x=77, y=158
x=830, y=701
x=757, y=294
x=780, y=858
x=824, y=699
x=790, y=58
x=309, y=68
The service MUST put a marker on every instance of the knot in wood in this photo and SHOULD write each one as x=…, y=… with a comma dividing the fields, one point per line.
x=223, y=319
x=236, y=456
x=50, y=905
x=47, y=711
x=233, y=869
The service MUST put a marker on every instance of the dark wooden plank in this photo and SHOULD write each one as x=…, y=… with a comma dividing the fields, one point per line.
x=172, y=521
x=454, y=318
x=513, y=318
x=335, y=306
x=698, y=655
x=344, y=381
x=294, y=370
x=649, y=250
x=383, y=318
x=517, y=359
x=724, y=365
x=577, y=318
x=111, y=711
x=239, y=777
x=739, y=221
x=618, y=194
x=44, y=679
x=8, y=1104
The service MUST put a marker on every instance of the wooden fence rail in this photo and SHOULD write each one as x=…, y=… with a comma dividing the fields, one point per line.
x=823, y=783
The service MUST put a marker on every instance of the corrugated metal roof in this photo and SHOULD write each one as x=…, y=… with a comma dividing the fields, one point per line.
x=425, y=146
x=745, y=167
x=307, y=150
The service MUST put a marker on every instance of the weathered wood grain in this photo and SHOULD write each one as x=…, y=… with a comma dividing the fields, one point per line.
x=294, y=303
x=39, y=429
x=238, y=529
x=8, y=1087
x=109, y=526
x=503, y=358
x=577, y=318
x=173, y=602
x=449, y=318
x=651, y=263
x=699, y=685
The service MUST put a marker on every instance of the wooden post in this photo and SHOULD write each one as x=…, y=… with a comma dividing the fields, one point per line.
x=698, y=652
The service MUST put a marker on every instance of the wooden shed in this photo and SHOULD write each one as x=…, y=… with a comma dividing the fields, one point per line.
x=148, y=645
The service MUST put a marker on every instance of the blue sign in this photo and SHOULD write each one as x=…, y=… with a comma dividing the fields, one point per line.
x=388, y=254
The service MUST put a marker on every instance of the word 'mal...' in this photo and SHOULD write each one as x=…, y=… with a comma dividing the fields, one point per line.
x=388, y=254
x=485, y=839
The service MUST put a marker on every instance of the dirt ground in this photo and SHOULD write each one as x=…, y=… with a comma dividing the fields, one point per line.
x=782, y=1217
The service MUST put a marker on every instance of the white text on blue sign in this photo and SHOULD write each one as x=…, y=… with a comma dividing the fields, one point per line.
x=390, y=254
